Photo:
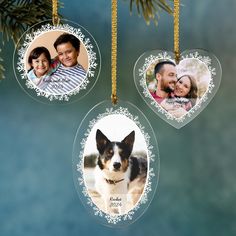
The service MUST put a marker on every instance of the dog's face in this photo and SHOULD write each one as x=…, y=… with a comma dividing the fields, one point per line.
x=114, y=156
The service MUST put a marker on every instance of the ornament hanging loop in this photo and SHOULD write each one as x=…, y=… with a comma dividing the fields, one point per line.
x=176, y=31
x=55, y=20
x=55, y=17
x=114, y=98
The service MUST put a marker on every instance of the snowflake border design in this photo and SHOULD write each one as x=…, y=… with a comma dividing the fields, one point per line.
x=30, y=37
x=115, y=219
x=165, y=56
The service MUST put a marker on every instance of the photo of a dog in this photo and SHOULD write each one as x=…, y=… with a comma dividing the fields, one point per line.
x=115, y=176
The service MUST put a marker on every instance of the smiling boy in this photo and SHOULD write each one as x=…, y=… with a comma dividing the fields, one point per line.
x=70, y=74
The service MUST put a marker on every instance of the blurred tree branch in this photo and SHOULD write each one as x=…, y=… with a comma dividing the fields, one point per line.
x=16, y=16
x=150, y=8
x=1, y=67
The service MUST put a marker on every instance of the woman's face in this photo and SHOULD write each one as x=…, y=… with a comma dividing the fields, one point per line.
x=40, y=65
x=182, y=87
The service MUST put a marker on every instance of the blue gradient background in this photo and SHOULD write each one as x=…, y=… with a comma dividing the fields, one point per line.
x=197, y=191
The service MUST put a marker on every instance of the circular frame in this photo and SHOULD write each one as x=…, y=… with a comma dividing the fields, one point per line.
x=90, y=49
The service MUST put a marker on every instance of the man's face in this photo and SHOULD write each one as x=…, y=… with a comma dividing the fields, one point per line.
x=167, y=78
x=67, y=54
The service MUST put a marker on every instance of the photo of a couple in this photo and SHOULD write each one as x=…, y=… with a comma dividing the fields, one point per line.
x=177, y=88
x=57, y=68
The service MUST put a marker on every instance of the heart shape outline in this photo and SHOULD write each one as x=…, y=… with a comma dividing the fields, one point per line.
x=147, y=59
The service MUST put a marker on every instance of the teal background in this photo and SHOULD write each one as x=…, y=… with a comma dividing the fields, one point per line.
x=197, y=191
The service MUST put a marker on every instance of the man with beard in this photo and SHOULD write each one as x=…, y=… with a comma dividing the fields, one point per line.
x=165, y=72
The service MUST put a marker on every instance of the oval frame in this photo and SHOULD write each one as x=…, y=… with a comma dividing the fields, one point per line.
x=87, y=41
x=97, y=113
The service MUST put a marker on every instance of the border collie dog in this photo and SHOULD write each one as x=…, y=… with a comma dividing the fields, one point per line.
x=115, y=169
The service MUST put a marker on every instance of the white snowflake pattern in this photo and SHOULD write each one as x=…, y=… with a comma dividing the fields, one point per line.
x=92, y=57
x=152, y=59
x=114, y=219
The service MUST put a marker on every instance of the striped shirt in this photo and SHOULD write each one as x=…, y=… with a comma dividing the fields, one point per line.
x=65, y=80
x=39, y=81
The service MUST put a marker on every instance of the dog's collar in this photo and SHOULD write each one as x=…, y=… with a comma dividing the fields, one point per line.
x=110, y=181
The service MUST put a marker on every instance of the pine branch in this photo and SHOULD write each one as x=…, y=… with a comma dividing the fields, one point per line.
x=16, y=16
x=150, y=8
x=1, y=68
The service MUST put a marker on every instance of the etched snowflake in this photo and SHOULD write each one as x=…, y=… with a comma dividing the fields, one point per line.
x=92, y=59
x=115, y=219
x=152, y=59
x=143, y=83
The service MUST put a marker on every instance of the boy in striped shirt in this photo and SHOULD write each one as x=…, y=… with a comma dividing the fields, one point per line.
x=70, y=74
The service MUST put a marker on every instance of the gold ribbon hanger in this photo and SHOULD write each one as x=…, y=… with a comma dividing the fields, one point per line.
x=176, y=31
x=55, y=17
x=114, y=98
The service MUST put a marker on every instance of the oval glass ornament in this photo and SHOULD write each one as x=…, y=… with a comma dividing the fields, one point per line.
x=198, y=79
x=115, y=163
x=44, y=68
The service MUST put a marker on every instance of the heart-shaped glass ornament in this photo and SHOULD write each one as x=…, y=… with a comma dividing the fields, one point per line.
x=177, y=92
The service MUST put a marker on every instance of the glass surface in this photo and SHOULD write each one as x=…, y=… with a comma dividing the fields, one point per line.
x=177, y=93
x=57, y=64
x=115, y=163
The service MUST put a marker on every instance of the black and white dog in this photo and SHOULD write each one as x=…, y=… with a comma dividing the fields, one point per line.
x=115, y=169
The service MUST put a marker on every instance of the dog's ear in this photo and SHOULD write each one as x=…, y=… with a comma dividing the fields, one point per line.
x=102, y=141
x=129, y=140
